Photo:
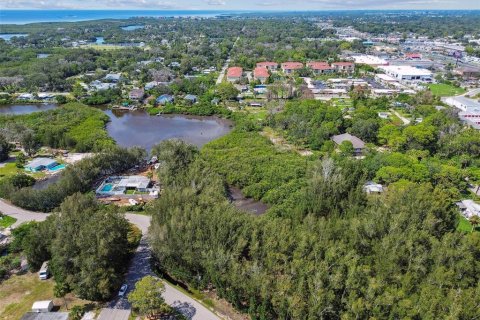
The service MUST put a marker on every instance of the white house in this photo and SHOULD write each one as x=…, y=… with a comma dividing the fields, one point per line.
x=469, y=208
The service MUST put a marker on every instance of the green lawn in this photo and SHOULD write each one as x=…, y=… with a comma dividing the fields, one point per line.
x=445, y=90
x=6, y=221
x=465, y=226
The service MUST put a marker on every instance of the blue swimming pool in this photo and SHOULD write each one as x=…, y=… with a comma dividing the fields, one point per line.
x=107, y=188
x=57, y=167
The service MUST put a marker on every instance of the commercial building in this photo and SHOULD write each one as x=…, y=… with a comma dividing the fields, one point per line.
x=234, y=74
x=370, y=60
x=408, y=73
x=469, y=110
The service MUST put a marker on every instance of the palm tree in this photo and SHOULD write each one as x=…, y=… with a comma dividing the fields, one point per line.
x=475, y=221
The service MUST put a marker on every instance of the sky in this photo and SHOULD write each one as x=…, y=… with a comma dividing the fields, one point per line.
x=283, y=5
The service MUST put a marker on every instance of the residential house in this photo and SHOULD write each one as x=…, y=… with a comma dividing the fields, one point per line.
x=165, y=99
x=272, y=66
x=358, y=144
x=372, y=187
x=25, y=96
x=344, y=67
x=234, y=74
x=40, y=164
x=469, y=208
x=151, y=85
x=136, y=94
x=99, y=86
x=319, y=67
x=261, y=74
x=113, y=77
x=291, y=67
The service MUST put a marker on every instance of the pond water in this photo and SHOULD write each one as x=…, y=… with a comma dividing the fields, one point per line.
x=25, y=108
x=99, y=40
x=132, y=27
x=137, y=128
x=246, y=204
x=9, y=36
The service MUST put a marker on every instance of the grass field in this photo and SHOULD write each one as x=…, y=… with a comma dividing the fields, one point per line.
x=445, y=90
x=19, y=292
x=465, y=226
x=6, y=221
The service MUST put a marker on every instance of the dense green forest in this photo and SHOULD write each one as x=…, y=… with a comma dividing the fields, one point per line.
x=333, y=253
x=87, y=247
x=71, y=126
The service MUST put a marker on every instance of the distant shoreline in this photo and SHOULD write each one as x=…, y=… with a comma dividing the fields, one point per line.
x=22, y=17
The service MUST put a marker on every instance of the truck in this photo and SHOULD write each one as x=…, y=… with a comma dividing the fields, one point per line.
x=44, y=272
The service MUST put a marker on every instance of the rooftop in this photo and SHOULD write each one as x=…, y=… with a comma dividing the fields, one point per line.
x=356, y=142
x=370, y=60
x=319, y=65
x=234, y=72
x=267, y=64
x=292, y=65
x=407, y=70
x=41, y=162
x=45, y=316
x=261, y=72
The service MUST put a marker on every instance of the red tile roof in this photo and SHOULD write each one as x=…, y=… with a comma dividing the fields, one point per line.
x=261, y=72
x=414, y=55
x=292, y=65
x=266, y=64
x=234, y=72
x=319, y=65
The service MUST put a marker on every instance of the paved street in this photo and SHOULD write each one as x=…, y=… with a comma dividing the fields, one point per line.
x=139, y=267
x=20, y=214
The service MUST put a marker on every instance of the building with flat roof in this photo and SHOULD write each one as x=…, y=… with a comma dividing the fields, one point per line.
x=119, y=185
x=370, y=60
x=408, y=73
x=469, y=208
x=45, y=316
x=40, y=164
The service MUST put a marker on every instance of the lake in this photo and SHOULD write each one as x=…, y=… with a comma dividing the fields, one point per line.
x=25, y=108
x=137, y=128
x=9, y=36
x=99, y=40
x=132, y=28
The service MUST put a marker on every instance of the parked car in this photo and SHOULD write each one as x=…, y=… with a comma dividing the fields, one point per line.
x=123, y=290
x=44, y=271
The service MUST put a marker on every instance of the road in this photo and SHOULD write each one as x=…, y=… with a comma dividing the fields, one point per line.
x=405, y=120
x=139, y=266
x=225, y=66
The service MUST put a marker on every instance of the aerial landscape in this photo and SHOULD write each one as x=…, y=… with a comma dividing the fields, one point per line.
x=239, y=160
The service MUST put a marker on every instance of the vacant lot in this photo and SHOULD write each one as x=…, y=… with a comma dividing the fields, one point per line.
x=19, y=292
x=445, y=90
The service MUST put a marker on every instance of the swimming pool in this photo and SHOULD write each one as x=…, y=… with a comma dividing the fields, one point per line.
x=57, y=167
x=106, y=188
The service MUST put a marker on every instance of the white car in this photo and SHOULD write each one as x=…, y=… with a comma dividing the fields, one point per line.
x=122, y=291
